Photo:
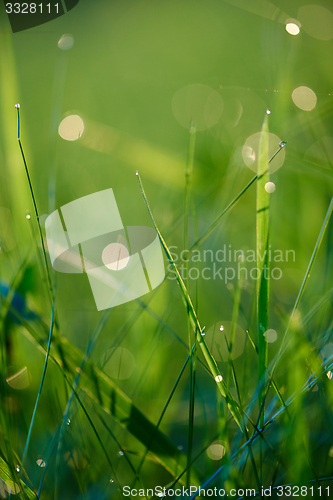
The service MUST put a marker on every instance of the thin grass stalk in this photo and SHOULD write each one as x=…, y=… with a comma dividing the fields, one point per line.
x=262, y=292
x=233, y=406
x=187, y=202
x=232, y=372
x=5, y=307
x=34, y=202
x=163, y=412
x=90, y=347
x=301, y=290
x=267, y=424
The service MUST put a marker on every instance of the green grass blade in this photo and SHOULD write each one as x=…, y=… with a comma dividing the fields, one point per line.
x=303, y=285
x=262, y=222
x=26, y=446
x=187, y=203
x=7, y=478
x=218, y=219
x=262, y=291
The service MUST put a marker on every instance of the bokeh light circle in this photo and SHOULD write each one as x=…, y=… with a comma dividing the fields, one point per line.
x=71, y=128
x=66, y=42
x=304, y=98
x=251, y=149
x=199, y=104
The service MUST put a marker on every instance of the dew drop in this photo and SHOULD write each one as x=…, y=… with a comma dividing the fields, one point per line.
x=68, y=421
x=268, y=112
x=221, y=328
x=218, y=378
x=121, y=453
x=282, y=144
x=28, y=216
x=17, y=106
x=18, y=468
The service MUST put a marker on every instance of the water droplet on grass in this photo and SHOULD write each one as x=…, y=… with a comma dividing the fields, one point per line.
x=270, y=187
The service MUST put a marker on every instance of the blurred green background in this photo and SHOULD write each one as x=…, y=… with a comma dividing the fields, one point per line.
x=136, y=75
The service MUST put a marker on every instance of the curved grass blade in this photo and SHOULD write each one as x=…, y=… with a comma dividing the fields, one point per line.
x=262, y=292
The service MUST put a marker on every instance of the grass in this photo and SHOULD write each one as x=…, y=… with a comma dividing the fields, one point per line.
x=232, y=411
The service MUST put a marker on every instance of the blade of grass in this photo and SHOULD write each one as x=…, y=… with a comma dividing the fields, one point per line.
x=233, y=406
x=7, y=478
x=114, y=402
x=218, y=219
x=282, y=347
x=17, y=106
x=267, y=424
x=262, y=292
x=26, y=446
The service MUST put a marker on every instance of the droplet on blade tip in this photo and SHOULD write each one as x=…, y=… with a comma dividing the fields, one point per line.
x=17, y=106
x=268, y=112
